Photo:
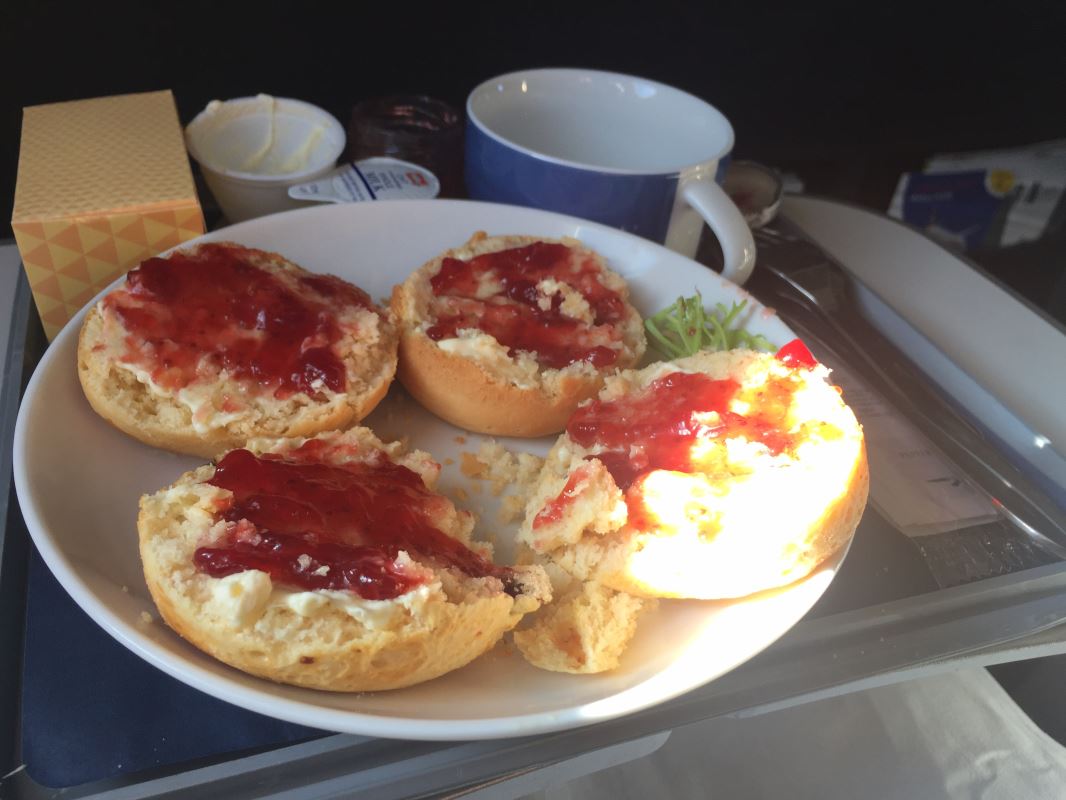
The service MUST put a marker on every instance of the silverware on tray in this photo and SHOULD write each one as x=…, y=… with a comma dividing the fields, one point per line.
x=816, y=297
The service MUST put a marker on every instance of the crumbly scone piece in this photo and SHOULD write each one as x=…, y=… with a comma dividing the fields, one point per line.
x=429, y=607
x=584, y=631
x=273, y=350
x=511, y=348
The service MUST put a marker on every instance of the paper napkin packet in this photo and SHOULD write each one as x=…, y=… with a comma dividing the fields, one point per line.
x=987, y=199
x=102, y=185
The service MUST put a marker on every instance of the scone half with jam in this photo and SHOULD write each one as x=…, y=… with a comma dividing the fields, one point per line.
x=212, y=345
x=328, y=563
x=506, y=335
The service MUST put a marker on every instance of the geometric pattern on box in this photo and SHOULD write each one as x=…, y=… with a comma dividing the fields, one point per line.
x=103, y=183
x=70, y=260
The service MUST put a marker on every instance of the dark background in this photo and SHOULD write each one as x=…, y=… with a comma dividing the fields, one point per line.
x=845, y=95
x=836, y=88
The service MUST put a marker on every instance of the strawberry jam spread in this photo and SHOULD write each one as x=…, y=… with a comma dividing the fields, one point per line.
x=313, y=525
x=657, y=427
x=194, y=314
x=522, y=318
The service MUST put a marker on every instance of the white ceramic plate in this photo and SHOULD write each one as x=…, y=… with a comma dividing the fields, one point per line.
x=78, y=481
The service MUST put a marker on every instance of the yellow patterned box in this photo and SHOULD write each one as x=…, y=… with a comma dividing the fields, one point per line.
x=102, y=185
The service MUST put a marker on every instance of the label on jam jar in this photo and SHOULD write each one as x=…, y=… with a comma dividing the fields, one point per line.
x=370, y=179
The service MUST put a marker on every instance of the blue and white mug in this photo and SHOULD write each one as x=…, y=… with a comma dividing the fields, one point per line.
x=625, y=151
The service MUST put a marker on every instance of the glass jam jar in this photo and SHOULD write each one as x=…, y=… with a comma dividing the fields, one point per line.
x=416, y=128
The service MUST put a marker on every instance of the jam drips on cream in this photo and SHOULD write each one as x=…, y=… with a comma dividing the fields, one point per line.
x=658, y=427
x=313, y=525
x=518, y=315
x=191, y=315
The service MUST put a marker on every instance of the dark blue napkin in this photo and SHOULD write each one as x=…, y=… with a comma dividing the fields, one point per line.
x=91, y=709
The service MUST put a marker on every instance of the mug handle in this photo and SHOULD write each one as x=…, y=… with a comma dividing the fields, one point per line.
x=734, y=235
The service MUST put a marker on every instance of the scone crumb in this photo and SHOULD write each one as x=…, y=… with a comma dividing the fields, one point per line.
x=505, y=466
x=461, y=495
x=529, y=467
x=504, y=470
x=449, y=461
x=460, y=440
x=512, y=508
x=473, y=467
x=146, y=618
